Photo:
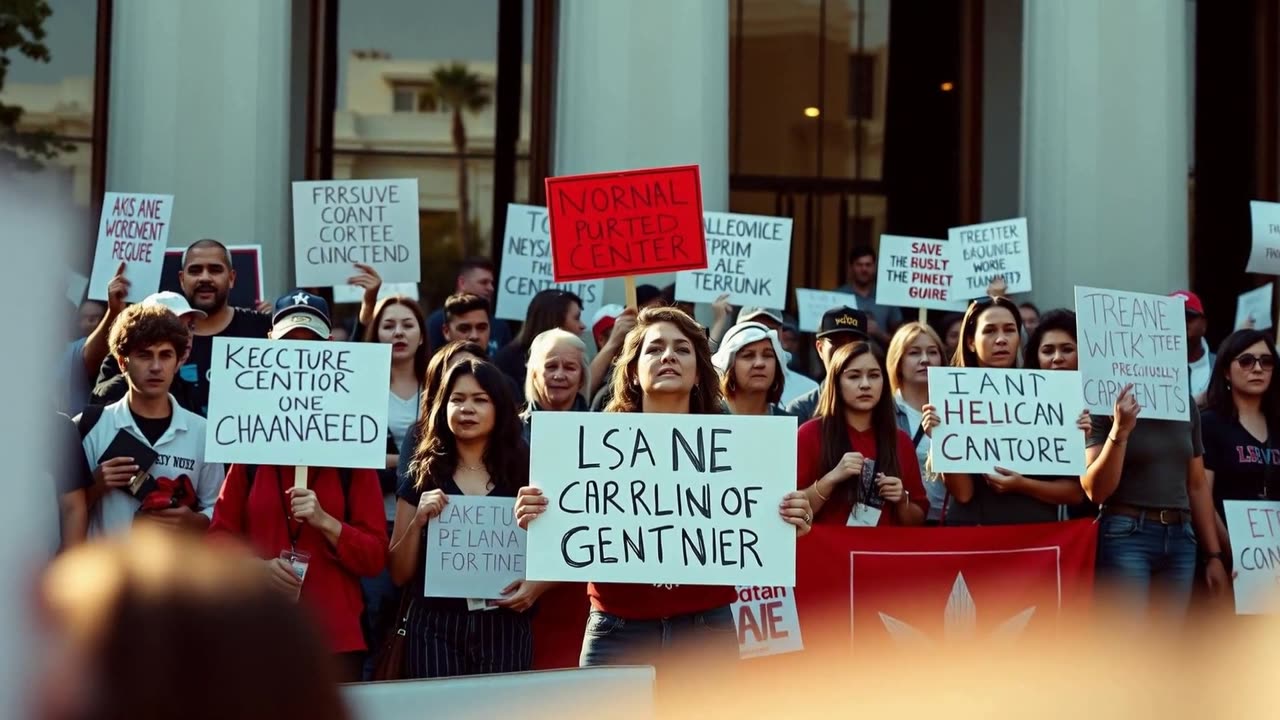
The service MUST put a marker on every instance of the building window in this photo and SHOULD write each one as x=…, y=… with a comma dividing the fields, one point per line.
x=862, y=86
x=405, y=100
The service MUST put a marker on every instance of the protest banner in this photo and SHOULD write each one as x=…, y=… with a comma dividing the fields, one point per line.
x=246, y=261
x=474, y=548
x=1019, y=420
x=278, y=402
x=1264, y=256
x=354, y=294
x=337, y=223
x=1254, y=529
x=1255, y=305
x=748, y=256
x=990, y=250
x=656, y=498
x=617, y=224
x=134, y=230
x=767, y=621
x=526, y=266
x=811, y=305
x=918, y=272
x=1127, y=337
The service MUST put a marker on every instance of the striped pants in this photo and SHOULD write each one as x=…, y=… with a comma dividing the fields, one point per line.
x=450, y=643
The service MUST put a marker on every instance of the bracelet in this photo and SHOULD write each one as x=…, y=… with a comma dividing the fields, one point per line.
x=818, y=492
x=1115, y=441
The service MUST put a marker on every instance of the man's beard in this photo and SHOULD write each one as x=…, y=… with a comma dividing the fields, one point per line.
x=217, y=303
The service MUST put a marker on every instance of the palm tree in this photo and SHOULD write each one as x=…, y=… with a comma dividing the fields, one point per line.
x=457, y=88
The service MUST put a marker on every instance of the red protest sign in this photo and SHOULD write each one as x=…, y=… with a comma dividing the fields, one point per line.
x=636, y=222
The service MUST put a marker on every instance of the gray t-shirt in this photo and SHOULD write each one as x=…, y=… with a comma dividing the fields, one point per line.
x=806, y=405
x=1155, y=460
x=988, y=507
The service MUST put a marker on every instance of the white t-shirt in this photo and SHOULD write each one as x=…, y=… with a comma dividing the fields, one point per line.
x=933, y=486
x=1201, y=371
x=402, y=413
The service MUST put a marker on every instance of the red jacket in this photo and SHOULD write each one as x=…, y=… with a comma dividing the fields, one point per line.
x=332, y=586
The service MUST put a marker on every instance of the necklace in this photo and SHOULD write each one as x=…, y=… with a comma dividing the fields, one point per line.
x=471, y=468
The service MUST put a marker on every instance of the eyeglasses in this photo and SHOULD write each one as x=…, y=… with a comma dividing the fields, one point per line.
x=1266, y=362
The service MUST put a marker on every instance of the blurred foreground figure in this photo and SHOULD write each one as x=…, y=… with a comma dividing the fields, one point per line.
x=152, y=625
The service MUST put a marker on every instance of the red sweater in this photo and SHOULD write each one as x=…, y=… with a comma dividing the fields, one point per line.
x=836, y=510
x=332, y=586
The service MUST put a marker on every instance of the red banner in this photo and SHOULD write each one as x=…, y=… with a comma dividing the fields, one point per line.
x=636, y=222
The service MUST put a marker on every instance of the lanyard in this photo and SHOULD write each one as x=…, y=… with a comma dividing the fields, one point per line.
x=289, y=522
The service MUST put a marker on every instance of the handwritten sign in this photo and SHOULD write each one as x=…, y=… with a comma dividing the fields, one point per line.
x=337, y=223
x=655, y=498
x=748, y=256
x=635, y=222
x=1020, y=420
x=767, y=621
x=917, y=272
x=1264, y=257
x=1127, y=337
x=134, y=230
x=812, y=304
x=474, y=548
x=1255, y=305
x=288, y=402
x=990, y=250
x=1254, y=529
x=526, y=266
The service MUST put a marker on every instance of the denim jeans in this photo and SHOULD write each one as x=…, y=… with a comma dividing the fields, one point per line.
x=611, y=640
x=1148, y=565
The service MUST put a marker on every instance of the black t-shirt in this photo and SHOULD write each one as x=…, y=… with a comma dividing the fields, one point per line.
x=152, y=428
x=72, y=470
x=1244, y=467
x=988, y=507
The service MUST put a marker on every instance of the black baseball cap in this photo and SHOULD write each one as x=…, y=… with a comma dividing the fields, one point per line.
x=301, y=309
x=844, y=319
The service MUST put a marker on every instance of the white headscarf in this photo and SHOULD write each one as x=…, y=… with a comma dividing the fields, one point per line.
x=743, y=334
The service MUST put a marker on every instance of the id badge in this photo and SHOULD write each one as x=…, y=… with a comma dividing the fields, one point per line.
x=867, y=512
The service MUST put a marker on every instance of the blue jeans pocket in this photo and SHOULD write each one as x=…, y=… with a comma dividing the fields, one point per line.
x=1191, y=533
x=602, y=624
x=718, y=620
x=1115, y=527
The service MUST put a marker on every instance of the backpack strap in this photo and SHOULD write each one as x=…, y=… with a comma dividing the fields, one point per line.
x=88, y=419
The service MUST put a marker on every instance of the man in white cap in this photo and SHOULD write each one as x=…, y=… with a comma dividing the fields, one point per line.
x=115, y=388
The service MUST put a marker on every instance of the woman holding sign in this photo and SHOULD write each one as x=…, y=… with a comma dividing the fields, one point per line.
x=914, y=349
x=751, y=374
x=446, y=637
x=664, y=367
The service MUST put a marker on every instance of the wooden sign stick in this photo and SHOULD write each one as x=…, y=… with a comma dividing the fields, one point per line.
x=299, y=477
x=924, y=316
x=630, y=281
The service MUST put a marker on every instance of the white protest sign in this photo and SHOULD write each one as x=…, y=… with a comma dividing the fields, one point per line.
x=337, y=223
x=526, y=266
x=989, y=250
x=813, y=304
x=917, y=272
x=351, y=294
x=134, y=230
x=1254, y=529
x=291, y=402
x=748, y=257
x=474, y=548
x=76, y=286
x=667, y=499
x=1264, y=257
x=1127, y=337
x=767, y=621
x=1019, y=420
x=1255, y=305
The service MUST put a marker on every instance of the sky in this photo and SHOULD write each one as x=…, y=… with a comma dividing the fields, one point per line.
x=71, y=33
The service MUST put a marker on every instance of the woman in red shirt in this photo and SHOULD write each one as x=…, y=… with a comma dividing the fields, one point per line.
x=853, y=463
x=664, y=367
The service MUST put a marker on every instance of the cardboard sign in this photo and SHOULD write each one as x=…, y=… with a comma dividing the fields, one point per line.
x=1020, y=420
x=748, y=256
x=526, y=266
x=1127, y=337
x=1254, y=529
x=1264, y=257
x=290, y=402
x=134, y=230
x=1255, y=305
x=767, y=621
x=918, y=272
x=246, y=260
x=668, y=499
x=354, y=295
x=337, y=223
x=990, y=250
x=813, y=304
x=637, y=222
x=474, y=548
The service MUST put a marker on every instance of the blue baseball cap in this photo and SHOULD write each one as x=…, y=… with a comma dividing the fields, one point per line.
x=301, y=309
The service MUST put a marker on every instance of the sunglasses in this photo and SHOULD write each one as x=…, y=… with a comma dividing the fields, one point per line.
x=1266, y=362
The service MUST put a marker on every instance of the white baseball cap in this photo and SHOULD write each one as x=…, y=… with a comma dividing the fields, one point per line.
x=175, y=303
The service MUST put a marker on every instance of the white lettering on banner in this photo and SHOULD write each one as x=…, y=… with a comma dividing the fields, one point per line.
x=767, y=621
x=1254, y=530
x=918, y=272
x=337, y=223
x=474, y=548
x=748, y=257
x=665, y=499
x=1136, y=338
x=812, y=304
x=289, y=402
x=1020, y=420
x=526, y=266
x=1264, y=257
x=991, y=250
x=134, y=230
x=1255, y=305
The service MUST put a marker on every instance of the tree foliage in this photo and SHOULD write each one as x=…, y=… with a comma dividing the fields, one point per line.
x=22, y=33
